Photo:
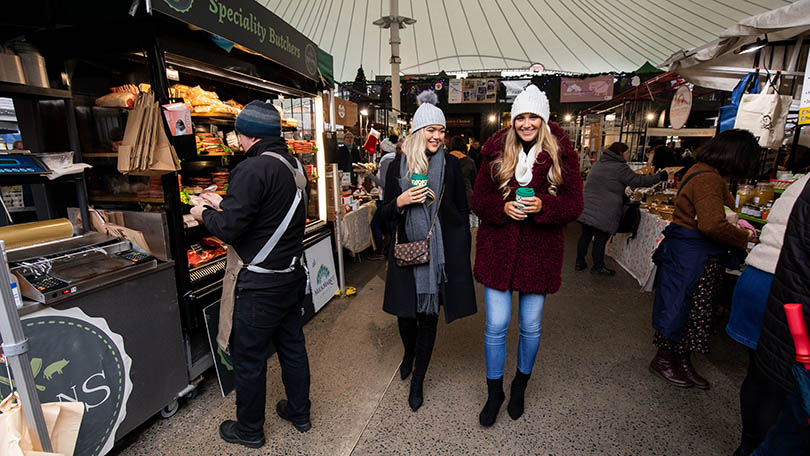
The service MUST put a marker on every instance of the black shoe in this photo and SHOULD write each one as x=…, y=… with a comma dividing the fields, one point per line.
x=516, y=395
x=581, y=266
x=227, y=430
x=405, y=368
x=603, y=271
x=495, y=398
x=281, y=411
x=415, y=398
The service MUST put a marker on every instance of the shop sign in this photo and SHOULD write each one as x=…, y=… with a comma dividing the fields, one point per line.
x=345, y=111
x=804, y=106
x=596, y=88
x=251, y=25
x=77, y=358
x=462, y=122
x=322, y=272
x=680, y=107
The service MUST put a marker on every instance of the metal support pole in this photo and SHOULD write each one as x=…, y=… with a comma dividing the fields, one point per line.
x=338, y=226
x=332, y=119
x=395, y=59
x=15, y=350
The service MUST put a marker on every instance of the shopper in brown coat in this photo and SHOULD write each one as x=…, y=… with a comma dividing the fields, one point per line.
x=690, y=258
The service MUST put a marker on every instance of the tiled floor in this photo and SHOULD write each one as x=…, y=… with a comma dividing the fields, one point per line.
x=591, y=392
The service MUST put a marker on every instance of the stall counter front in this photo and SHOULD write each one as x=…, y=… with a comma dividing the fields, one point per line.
x=635, y=255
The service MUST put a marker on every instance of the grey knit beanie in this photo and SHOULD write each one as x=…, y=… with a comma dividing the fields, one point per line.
x=259, y=119
x=427, y=113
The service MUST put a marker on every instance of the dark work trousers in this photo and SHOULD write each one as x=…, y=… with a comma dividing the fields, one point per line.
x=376, y=230
x=760, y=403
x=261, y=317
x=418, y=336
x=600, y=239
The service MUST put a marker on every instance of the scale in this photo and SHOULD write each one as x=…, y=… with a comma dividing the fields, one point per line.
x=22, y=164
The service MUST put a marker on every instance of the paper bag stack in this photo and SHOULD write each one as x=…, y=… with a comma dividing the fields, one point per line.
x=145, y=149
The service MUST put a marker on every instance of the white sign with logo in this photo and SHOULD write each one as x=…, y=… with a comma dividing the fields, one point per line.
x=681, y=107
x=804, y=106
x=322, y=273
x=77, y=358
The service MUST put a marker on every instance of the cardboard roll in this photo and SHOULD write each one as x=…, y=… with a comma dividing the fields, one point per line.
x=28, y=234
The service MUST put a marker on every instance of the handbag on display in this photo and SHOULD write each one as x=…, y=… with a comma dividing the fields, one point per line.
x=765, y=115
x=417, y=252
x=728, y=114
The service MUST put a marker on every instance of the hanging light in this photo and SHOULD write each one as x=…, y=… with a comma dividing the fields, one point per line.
x=568, y=117
x=651, y=116
x=492, y=118
x=753, y=47
x=363, y=112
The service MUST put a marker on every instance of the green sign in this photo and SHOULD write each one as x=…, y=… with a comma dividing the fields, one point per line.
x=251, y=25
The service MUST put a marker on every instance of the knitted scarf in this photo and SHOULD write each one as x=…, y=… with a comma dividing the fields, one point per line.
x=418, y=218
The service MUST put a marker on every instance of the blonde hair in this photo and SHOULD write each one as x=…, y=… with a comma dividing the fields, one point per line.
x=503, y=167
x=414, y=148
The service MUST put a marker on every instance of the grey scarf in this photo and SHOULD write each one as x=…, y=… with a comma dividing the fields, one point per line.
x=417, y=223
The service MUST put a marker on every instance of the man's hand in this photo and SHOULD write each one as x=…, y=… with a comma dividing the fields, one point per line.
x=197, y=213
x=212, y=199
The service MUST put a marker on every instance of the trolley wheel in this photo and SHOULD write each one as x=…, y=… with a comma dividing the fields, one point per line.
x=193, y=394
x=170, y=410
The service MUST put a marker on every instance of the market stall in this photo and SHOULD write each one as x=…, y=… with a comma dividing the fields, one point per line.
x=178, y=56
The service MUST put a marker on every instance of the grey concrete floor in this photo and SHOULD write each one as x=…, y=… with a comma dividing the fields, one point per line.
x=590, y=393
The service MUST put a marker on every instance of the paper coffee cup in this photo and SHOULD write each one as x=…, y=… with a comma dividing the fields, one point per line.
x=419, y=180
x=523, y=192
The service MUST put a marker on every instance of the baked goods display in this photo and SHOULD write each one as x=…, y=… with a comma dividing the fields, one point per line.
x=204, y=103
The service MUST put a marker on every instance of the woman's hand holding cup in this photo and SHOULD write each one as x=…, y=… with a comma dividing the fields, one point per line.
x=514, y=210
x=531, y=205
x=413, y=195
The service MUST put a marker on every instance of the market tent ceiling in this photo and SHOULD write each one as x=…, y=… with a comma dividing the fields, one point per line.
x=715, y=65
x=580, y=36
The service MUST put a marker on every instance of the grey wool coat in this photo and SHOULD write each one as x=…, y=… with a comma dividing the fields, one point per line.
x=604, y=191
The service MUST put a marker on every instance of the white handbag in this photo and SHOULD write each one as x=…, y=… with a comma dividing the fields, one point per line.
x=764, y=115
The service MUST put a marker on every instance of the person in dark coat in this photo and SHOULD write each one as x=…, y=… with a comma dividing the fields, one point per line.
x=520, y=245
x=475, y=153
x=663, y=157
x=694, y=254
x=776, y=356
x=604, y=201
x=458, y=149
x=264, y=199
x=414, y=293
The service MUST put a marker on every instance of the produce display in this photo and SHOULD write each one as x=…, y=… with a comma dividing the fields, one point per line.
x=210, y=144
x=301, y=146
x=208, y=249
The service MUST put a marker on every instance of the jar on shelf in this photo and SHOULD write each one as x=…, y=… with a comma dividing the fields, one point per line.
x=763, y=194
x=745, y=195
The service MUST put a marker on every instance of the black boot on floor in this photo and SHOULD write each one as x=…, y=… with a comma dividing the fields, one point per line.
x=415, y=396
x=406, y=367
x=495, y=398
x=516, y=395
x=581, y=266
x=228, y=432
x=281, y=411
x=602, y=270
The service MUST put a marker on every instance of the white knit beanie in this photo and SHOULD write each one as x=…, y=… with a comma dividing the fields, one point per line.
x=533, y=101
x=427, y=113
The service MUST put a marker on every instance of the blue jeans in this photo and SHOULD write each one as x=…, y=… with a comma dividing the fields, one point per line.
x=748, y=306
x=499, y=311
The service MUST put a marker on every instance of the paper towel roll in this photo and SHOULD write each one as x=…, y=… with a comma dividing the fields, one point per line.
x=26, y=234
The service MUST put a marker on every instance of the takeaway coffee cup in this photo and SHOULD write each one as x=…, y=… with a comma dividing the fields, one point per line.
x=419, y=180
x=523, y=192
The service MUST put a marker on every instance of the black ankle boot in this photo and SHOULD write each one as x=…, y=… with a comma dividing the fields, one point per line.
x=495, y=398
x=515, y=407
x=415, y=397
x=406, y=367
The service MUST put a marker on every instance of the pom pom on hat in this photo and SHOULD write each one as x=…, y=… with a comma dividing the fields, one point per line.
x=428, y=96
x=427, y=113
x=532, y=101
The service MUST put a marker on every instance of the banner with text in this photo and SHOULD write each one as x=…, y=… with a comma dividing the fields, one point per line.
x=596, y=88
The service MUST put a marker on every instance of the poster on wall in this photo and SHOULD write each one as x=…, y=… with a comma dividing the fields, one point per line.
x=681, y=107
x=456, y=93
x=478, y=90
x=804, y=103
x=345, y=112
x=596, y=88
x=322, y=272
x=93, y=368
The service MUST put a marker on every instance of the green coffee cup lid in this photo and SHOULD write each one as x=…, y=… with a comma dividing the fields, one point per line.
x=525, y=192
x=418, y=176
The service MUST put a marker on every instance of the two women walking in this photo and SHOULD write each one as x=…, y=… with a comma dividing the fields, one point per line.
x=519, y=245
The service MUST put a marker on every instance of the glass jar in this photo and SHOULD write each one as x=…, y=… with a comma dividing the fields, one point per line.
x=763, y=194
x=745, y=195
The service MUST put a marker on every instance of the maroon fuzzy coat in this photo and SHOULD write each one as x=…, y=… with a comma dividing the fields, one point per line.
x=525, y=255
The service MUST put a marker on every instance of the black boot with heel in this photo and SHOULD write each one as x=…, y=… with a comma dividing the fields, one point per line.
x=516, y=395
x=495, y=398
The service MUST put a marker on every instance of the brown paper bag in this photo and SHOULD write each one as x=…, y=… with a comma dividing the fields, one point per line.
x=62, y=419
x=131, y=134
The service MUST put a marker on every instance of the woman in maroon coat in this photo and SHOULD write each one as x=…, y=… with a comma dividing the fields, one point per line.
x=520, y=245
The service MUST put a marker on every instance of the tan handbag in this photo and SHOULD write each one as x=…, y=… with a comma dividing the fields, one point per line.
x=417, y=252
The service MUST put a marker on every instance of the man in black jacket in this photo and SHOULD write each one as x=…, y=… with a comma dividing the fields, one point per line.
x=270, y=287
x=775, y=352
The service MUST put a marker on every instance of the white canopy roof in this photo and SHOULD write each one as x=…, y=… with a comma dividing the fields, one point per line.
x=581, y=36
x=715, y=65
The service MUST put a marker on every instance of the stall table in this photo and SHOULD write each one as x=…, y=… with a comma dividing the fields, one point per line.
x=356, y=232
x=635, y=255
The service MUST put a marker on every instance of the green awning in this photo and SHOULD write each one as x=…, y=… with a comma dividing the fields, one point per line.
x=648, y=68
x=326, y=66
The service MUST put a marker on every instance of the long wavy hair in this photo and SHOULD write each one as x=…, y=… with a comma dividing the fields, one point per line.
x=503, y=167
x=414, y=148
